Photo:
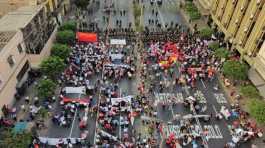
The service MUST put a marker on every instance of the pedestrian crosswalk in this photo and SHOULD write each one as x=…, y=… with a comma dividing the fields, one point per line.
x=169, y=97
x=213, y=131
x=200, y=96
x=220, y=98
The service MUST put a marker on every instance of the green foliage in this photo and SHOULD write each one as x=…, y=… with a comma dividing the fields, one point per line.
x=69, y=25
x=249, y=91
x=137, y=16
x=81, y=3
x=222, y=53
x=257, y=109
x=60, y=50
x=45, y=89
x=65, y=37
x=214, y=45
x=136, y=10
x=235, y=70
x=192, y=10
x=52, y=67
x=206, y=32
x=11, y=140
x=43, y=113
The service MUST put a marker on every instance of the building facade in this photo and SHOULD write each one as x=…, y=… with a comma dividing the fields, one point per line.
x=56, y=8
x=243, y=24
x=26, y=37
x=13, y=64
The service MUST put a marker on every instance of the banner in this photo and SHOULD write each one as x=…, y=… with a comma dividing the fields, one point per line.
x=55, y=141
x=117, y=41
x=117, y=65
x=86, y=37
x=118, y=100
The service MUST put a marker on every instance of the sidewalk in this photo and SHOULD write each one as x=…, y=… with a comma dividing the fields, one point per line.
x=201, y=23
x=259, y=142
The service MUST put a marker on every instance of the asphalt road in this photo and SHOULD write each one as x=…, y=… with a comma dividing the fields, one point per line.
x=166, y=14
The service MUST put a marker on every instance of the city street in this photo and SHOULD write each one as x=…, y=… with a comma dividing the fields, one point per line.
x=169, y=102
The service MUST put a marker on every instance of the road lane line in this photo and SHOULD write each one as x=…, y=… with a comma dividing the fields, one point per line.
x=203, y=83
x=186, y=90
x=72, y=127
x=120, y=116
x=214, y=109
x=218, y=132
x=98, y=103
x=160, y=15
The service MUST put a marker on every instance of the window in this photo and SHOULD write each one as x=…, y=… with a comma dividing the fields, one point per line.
x=23, y=71
x=19, y=48
x=11, y=60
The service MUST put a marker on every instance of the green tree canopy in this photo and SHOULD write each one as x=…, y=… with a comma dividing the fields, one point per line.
x=222, y=53
x=69, y=25
x=257, y=109
x=235, y=70
x=65, y=37
x=249, y=91
x=52, y=67
x=81, y=3
x=46, y=88
x=192, y=10
x=20, y=140
x=60, y=50
x=206, y=33
x=214, y=45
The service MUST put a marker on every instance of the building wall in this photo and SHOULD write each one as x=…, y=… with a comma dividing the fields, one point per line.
x=243, y=23
x=206, y=4
x=8, y=74
x=35, y=59
x=11, y=5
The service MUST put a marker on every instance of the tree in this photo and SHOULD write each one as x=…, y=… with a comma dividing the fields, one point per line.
x=60, y=50
x=192, y=10
x=65, y=37
x=222, y=53
x=82, y=3
x=11, y=140
x=235, y=70
x=213, y=45
x=206, y=33
x=257, y=109
x=249, y=91
x=45, y=88
x=52, y=67
x=69, y=25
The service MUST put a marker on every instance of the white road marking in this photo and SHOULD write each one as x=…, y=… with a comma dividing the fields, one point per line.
x=73, y=122
x=99, y=97
x=186, y=90
x=215, y=109
x=163, y=97
x=220, y=98
x=160, y=15
x=200, y=96
x=218, y=132
x=203, y=83
x=213, y=131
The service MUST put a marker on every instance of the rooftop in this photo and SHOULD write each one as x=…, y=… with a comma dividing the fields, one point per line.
x=15, y=20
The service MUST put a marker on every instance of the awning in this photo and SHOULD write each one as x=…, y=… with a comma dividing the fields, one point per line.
x=20, y=127
x=257, y=80
x=86, y=37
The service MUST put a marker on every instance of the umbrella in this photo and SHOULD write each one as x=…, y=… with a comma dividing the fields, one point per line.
x=20, y=127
